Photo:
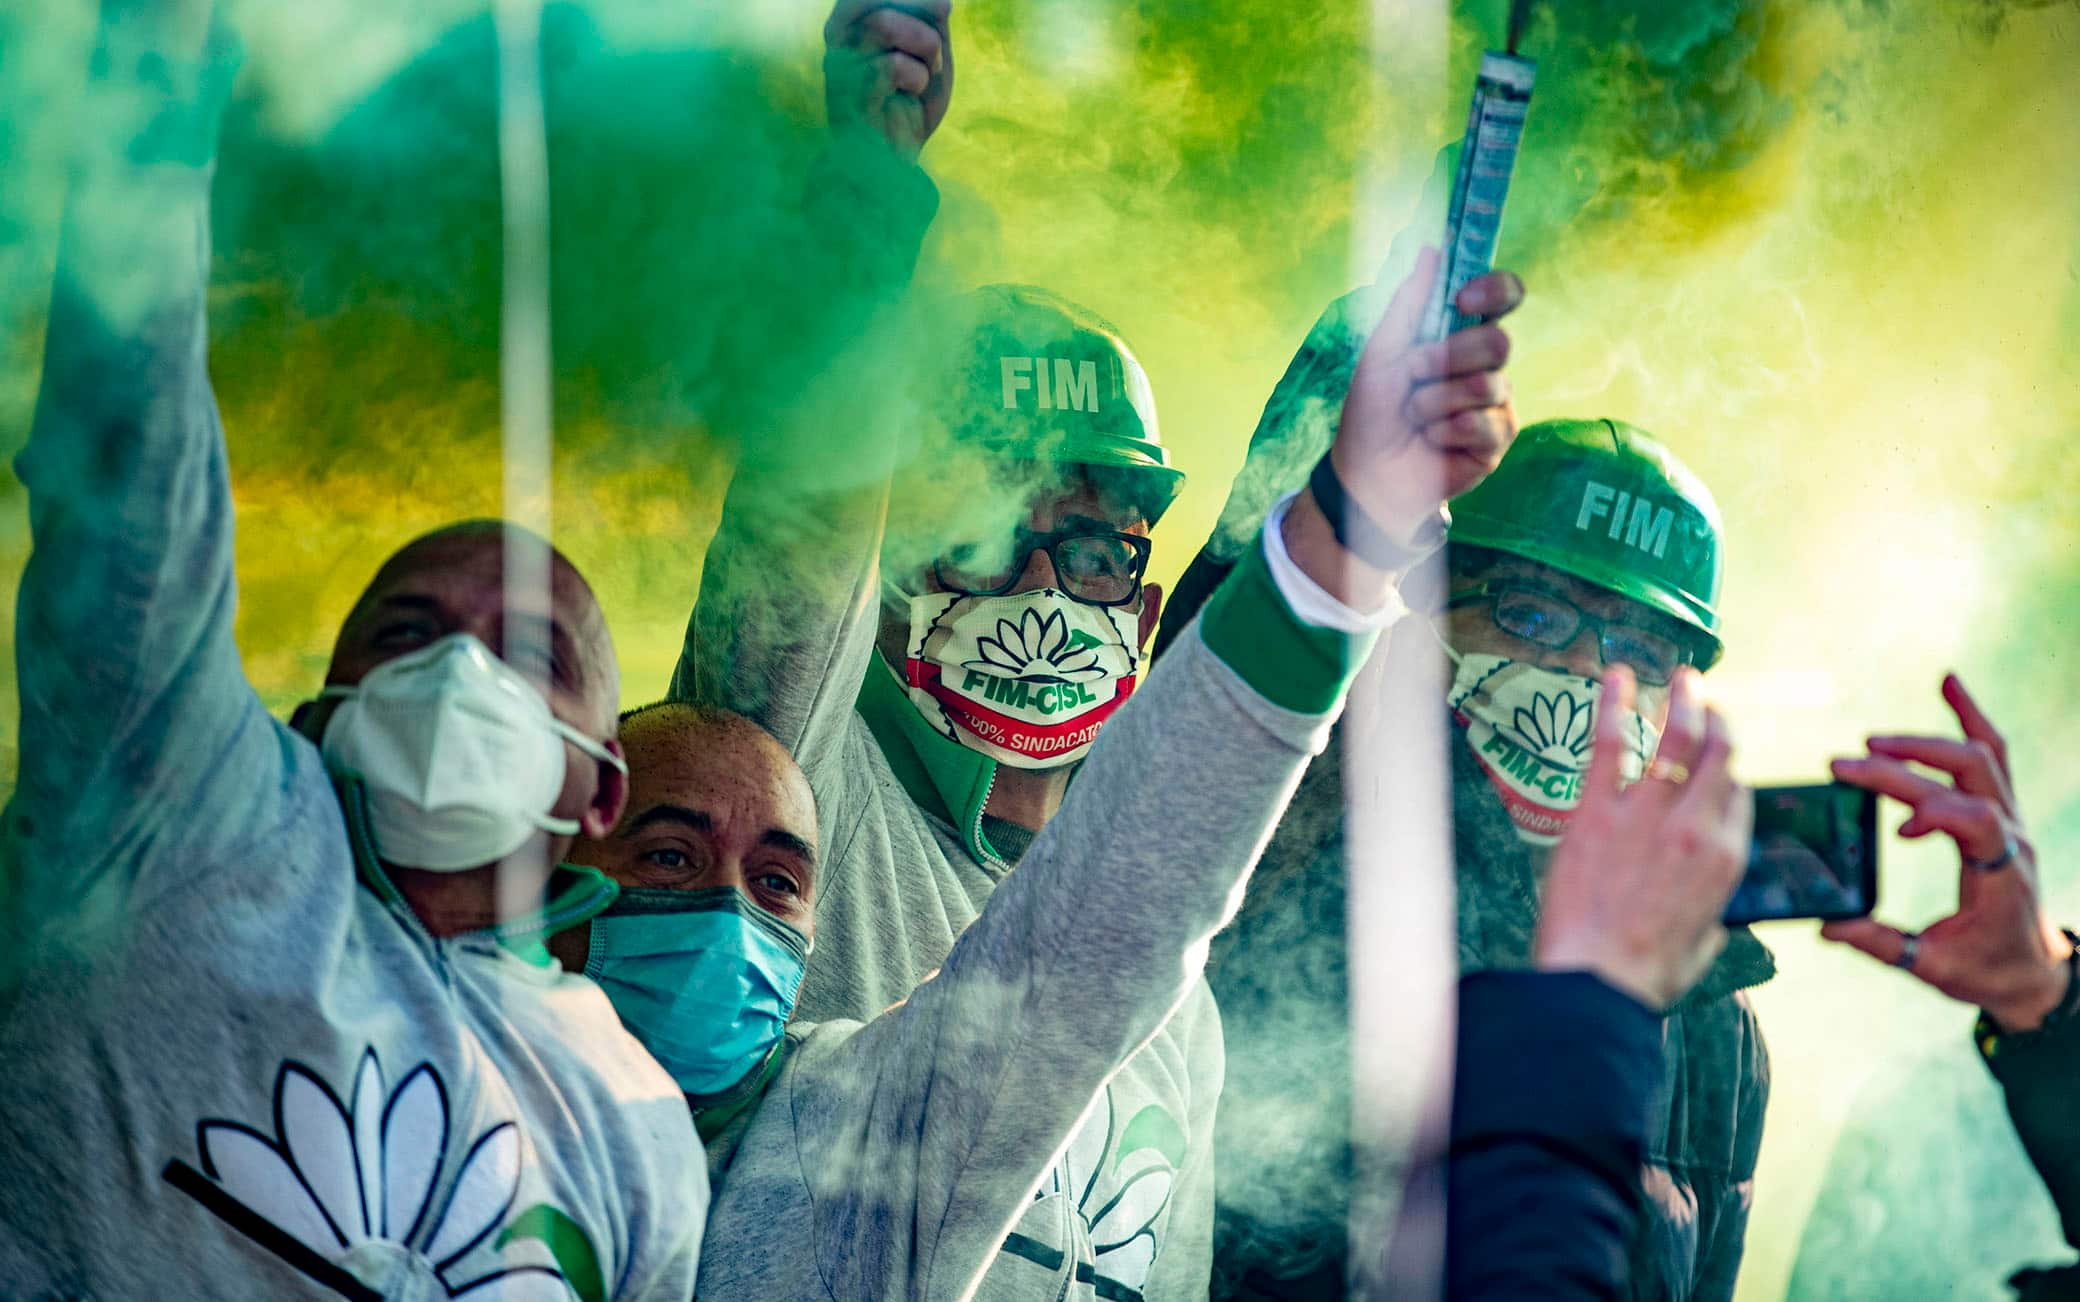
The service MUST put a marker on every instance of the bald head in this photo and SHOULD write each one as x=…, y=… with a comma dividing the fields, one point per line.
x=453, y=580
x=714, y=800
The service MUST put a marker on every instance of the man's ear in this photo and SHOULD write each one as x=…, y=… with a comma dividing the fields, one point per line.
x=608, y=800
x=1151, y=611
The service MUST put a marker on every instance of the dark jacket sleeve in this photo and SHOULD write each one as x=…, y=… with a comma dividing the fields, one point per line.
x=2038, y=1073
x=1549, y=1119
x=1728, y=1078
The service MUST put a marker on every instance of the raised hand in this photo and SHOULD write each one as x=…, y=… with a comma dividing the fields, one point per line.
x=1639, y=882
x=888, y=68
x=1425, y=422
x=1998, y=950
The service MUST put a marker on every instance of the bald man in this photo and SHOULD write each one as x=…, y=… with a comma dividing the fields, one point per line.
x=889, y=1159
x=279, y=1013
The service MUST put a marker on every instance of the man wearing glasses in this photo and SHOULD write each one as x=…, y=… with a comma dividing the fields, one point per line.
x=1590, y=546
x=940, y=737
x=937, y=680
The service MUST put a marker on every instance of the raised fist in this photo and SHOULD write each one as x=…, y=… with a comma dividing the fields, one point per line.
x=889, y=68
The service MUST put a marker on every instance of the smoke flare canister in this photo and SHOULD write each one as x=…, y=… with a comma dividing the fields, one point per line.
x=1494, y=124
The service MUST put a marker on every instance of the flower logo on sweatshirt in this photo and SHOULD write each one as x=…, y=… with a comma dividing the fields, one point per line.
x=345, y=1191
x=1120, y=1178
x=1038, y=646
x=1557, y=728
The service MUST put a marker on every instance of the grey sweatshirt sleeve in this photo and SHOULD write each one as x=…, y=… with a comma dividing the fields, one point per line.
x=921, y=1136
x=788, y=603
x=787, y=612
x=141, y=743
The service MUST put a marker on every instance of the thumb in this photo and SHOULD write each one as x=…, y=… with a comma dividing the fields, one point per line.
x=1396, y=332
x=1876, y=939
x=1607, y=760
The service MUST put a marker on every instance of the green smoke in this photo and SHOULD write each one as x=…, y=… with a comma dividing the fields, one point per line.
x=1825, y=250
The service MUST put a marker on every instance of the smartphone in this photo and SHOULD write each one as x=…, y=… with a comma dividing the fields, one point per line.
x=1815, y=855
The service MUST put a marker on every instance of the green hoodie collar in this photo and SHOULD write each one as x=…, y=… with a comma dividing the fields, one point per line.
x=945, y=778
x=576, y=893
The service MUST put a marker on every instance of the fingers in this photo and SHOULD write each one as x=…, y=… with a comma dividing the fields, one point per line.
x=1739, y=819
x=1977, y=727
x=1889, y=777
x=1447, y=398
x=847, y=16
x=1974, y=822
x=1684, y=735
x=1973, y=763
x=895, y=32
x=837, y=29
x=906, y=50
x=1495, y=294
x=903, y=49
x=1473, y=443
x=1704, y=794
x=1397, y=329
x=1874, y=938
x=1476, y=348
x=1607, y=755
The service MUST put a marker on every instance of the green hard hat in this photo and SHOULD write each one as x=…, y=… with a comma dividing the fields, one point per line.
x=1606, y=503
x=1042, y=378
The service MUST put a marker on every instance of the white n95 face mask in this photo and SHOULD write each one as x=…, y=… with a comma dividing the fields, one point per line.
x=458, y=754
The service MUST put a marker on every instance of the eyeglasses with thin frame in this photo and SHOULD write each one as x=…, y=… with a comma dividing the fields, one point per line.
x=1548, y=619
x=1098, y=567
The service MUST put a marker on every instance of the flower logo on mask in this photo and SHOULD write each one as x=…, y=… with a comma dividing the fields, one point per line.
x=1557, y=728
x=1038, y=647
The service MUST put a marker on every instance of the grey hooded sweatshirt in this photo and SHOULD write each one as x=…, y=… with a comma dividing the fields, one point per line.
x=784, y=632
x=238, y=1066
x=888, y=1160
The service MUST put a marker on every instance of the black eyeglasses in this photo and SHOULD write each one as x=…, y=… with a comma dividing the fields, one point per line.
x=1551, y=620
x=1096, y=567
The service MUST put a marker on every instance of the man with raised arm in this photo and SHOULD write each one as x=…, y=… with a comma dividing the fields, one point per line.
x=939, y=706
x=278, y=1009
x=1591, y=546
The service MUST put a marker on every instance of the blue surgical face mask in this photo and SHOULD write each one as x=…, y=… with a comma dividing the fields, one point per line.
x=705, y=979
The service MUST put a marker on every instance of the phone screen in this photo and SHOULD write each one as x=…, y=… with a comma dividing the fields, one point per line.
x=1815, y=855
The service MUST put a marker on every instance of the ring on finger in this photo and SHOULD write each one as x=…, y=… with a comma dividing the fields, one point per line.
x=1673, y=772
x=1999, y=861
x=1909, y=950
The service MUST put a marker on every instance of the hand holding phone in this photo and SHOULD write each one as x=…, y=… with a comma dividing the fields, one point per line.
x=1999, y=950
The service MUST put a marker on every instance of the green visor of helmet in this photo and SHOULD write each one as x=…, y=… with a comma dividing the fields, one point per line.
x=1608, y=504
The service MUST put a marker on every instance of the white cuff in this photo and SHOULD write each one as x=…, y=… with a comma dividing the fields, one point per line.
x=1310, y=602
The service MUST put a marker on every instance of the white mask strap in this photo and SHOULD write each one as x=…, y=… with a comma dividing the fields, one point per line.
x=1450, y=654
x=556, y=826
x=589, y=746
